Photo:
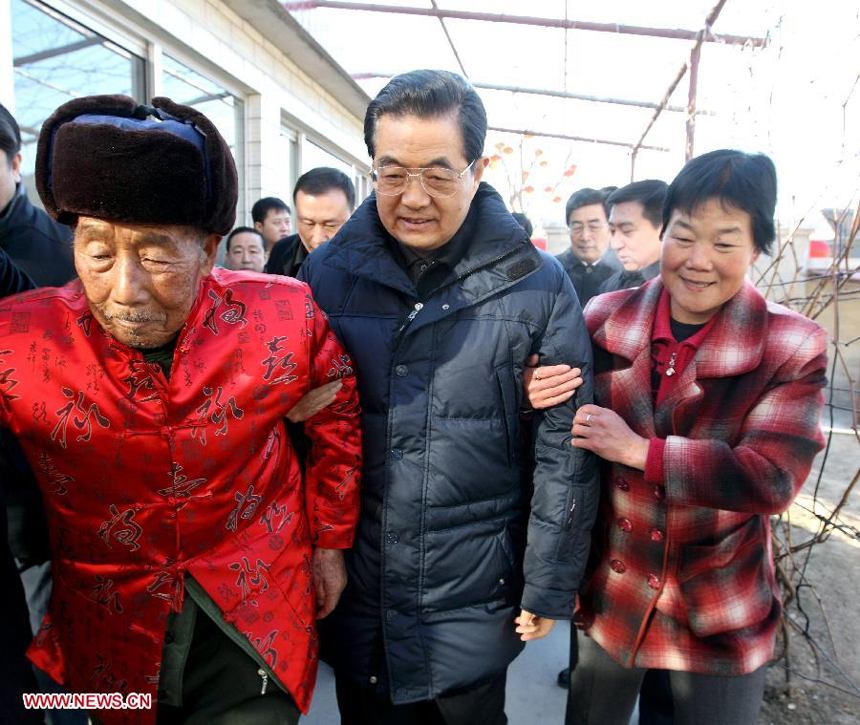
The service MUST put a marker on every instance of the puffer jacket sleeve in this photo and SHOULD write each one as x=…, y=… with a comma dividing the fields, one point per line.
x=333, y=466
x=566, y=482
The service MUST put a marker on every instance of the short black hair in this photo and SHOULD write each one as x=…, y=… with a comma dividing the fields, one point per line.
x=650, y=193
x=262, y=207
x=608, y=190
x=734, y=178
x=242, y=230
x=524, y=222
x=10, y=134
x=585, y=197
x=430, y=94
x=323, y=179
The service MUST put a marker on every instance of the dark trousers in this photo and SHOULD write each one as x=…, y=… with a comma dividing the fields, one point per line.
x=221, y=686
x=481, y=704
x=602, y=692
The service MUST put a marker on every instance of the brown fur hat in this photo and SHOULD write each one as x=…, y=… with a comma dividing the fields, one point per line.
x=109, y=157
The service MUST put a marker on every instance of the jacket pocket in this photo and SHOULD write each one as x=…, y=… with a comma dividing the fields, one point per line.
x=510, y=413
x=726, y=586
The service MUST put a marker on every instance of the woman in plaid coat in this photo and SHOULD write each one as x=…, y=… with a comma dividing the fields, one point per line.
x=708, y=403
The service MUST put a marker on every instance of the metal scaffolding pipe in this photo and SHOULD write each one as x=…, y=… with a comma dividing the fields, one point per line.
x=450, y=41
x=553, y=94
x=527, y=20
x=709, y=21
x=691, y=102
x=545, y=134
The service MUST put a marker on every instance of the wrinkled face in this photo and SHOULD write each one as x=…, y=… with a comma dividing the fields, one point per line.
x=246, y=252
x=706, y=257
x=320, y=216
x=635, y=240
x=416, y=219
x=10, y=175
x=275, y=226
x=589, y=232
x=141, y=281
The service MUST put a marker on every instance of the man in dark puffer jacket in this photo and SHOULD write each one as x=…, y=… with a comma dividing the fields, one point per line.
x=470, y=540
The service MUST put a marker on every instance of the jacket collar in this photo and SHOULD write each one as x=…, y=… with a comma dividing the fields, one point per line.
x=362, y=248
x=734, y=346
x=16, y=210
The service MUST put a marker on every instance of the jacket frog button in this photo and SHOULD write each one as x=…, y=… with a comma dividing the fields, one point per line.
x=618, y=566
x=625, y=525
x=653, y=582
x=622, y=484
x=656, y=535
x=659, y=492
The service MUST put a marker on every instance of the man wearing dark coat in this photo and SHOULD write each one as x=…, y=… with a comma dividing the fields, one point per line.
x=635, y=226
x=324, y=198
x=474, y=526
x=37, y=244
x=589, y=261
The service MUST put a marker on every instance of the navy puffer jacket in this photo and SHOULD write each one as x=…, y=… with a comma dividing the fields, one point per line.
x=453, y=537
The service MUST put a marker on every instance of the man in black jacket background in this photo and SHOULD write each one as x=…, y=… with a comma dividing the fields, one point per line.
x=324, y=199
x=37, y=244
x=474, y=527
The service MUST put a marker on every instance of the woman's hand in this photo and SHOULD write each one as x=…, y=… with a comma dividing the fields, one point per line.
x=548, y=386
x=604, y=432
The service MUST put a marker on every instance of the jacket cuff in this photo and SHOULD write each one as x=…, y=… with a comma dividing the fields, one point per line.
x=548, y=603
x=334, y=540
x=654, y=461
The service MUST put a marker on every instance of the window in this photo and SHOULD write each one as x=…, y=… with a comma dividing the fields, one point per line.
x=188, y=87
x=56, y=59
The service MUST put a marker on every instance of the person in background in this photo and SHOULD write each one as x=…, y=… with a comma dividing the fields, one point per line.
x=589, y=262
x=16, y=673
x=244, y=250
x=324, y=199
x=464, y=550
x=707, y=413
x=39, y=246
x=191, y=558
x=524, y=222
x=635, y=223
x=271, y=218
x=42, y=249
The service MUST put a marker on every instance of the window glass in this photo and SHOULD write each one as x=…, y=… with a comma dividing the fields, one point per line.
x=188, y=87
x=55, y=60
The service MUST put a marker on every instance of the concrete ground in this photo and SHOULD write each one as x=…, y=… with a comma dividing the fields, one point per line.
x=532, y=695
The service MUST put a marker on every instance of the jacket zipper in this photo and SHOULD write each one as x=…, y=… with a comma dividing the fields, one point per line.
x=265, y=677
x=418, y=307
x=569, y=521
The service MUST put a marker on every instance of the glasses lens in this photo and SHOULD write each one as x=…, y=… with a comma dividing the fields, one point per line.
x=390, y=180
x=439, y=181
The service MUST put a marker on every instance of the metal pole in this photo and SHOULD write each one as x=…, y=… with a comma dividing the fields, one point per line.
x=553, y=94
x=526, y=20
x=547, y=134
x=450, y=41
x=691, y=104
x=709, y=21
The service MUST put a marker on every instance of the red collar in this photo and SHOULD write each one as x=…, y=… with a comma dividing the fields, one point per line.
x=663, y=327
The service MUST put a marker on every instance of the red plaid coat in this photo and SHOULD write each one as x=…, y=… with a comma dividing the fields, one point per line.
x=145, y=479
x=682, y=572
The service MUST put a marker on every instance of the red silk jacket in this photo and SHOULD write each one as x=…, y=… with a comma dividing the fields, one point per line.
x=682, y=569
x=145, y=479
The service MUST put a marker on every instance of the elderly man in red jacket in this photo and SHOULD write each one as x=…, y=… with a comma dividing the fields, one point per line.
x=190, y=558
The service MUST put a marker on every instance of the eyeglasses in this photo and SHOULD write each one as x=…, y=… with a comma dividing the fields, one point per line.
x=578, y=228
x=437, y=181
